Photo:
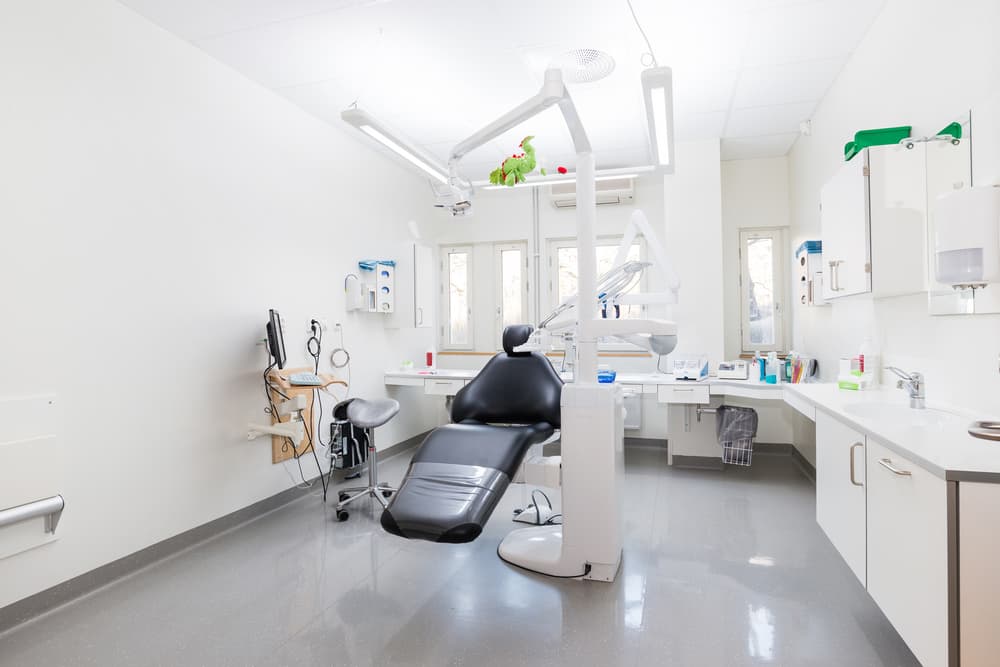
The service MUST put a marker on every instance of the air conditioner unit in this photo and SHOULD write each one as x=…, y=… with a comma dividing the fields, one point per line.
x=610, y=191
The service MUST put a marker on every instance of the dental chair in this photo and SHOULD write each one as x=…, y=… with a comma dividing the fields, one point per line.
x=462, y=469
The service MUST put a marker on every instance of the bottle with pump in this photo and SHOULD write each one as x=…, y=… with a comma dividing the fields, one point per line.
x=870, y=362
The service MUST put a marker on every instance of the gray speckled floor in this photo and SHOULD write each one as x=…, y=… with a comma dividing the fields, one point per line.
x=722, y=568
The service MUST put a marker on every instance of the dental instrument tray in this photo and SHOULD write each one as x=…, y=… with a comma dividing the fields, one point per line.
x=606, y=376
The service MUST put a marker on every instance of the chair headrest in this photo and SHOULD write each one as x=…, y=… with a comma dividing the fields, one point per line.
x=514, y=335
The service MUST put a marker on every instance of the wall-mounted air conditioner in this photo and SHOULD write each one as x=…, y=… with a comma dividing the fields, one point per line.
x=610, y=191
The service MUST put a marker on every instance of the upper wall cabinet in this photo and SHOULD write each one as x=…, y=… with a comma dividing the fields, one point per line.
x=873, y=221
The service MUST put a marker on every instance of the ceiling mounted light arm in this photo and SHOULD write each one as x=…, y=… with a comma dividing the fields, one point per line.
x=658, y=96
x=396, y=143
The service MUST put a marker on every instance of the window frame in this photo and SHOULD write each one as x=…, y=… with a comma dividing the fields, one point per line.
x=445, y=251
x=498, y=249
x=554, y=244
x=780, y=270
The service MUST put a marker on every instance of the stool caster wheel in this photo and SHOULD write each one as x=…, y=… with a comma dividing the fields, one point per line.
x=342, y=497
x=386, y=494
x=342, y=515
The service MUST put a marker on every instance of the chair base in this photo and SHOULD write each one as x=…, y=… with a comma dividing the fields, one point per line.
x=380, y=492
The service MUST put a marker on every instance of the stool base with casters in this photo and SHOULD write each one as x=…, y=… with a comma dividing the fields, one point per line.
x=368, y=415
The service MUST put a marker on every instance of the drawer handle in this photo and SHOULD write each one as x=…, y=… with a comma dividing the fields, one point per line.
x=443, y=381
x=887, y=464
x=854, y=447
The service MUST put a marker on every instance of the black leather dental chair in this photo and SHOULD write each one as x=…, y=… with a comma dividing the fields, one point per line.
x=462, y=469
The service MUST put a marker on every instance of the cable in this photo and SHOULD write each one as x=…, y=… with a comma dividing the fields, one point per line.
x=649, y=47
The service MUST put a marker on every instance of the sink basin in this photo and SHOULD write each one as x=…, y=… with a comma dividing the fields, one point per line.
x=903, y=415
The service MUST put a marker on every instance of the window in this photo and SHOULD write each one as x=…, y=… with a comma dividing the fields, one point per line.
x=762, y=253
x=511, y=266
x=562, y=259
x=456, y=297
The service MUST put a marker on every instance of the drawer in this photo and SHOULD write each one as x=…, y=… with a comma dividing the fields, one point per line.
x=443, y=387
x=801, y=405
x=679, y=393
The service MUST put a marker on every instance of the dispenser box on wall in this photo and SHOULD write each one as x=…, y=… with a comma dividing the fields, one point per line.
x=385, y=288
x=967, y=237
x=379, y=278
x=809, y=273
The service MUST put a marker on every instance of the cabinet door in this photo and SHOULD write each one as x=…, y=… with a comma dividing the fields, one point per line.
x=840, y=491
x=424, y=277
x=908, y=551
x=845, y=231
x=897, y=187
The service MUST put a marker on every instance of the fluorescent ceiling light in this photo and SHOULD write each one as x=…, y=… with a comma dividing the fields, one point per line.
x=393, y=141
x=658, y=94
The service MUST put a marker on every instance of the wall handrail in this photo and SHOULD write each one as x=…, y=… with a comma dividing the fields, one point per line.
x=51, y=508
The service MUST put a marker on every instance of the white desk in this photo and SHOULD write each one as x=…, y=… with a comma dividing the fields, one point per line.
x=447, y=382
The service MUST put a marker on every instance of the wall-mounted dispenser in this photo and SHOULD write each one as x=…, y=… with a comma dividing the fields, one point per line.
x=967, y=237
x=809, y=273
x=379, y=288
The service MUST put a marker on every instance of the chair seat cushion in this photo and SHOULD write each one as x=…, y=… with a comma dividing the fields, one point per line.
x=456, y=479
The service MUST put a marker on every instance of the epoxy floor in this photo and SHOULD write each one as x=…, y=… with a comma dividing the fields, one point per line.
x=721, y=568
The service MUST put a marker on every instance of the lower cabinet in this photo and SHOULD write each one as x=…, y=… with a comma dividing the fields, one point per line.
x=908, y=551
x=840, y=491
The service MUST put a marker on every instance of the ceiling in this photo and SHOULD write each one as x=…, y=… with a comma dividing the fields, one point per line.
x=746, y=71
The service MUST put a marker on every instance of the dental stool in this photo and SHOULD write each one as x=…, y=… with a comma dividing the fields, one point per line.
x=368, y=415
x=462, y=469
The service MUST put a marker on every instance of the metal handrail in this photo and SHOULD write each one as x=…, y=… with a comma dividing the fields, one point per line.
x=50, y=508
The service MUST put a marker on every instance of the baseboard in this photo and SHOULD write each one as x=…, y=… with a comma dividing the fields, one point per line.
x=52, y=598
x=808, y=469
x=699, y=462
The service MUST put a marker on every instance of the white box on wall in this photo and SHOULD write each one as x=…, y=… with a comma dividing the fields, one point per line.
x=385, y=288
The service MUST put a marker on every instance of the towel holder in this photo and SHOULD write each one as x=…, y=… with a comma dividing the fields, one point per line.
x=51, y=508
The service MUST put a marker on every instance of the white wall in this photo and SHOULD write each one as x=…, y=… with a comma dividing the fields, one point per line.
x=911, y=68
x=155, y=204
x=914, y=67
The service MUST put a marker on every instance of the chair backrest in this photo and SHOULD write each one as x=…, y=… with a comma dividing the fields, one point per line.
x=512, y=388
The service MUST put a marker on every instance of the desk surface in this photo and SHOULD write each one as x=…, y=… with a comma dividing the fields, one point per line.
x=716, y=386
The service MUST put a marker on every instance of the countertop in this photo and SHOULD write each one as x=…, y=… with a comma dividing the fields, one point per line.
x=944, y=449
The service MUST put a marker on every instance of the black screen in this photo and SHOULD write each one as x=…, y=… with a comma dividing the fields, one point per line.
x=275, y=339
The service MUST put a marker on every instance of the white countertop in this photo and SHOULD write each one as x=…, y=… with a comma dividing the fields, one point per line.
x=945, y=449
x=621, y=378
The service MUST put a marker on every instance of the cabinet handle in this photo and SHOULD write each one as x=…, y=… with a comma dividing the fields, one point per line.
x=854, y=447
x=835, y=275
x=420, y=316
x=887, y=464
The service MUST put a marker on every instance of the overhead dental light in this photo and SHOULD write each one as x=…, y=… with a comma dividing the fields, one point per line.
x=658, y=94
x=395, y=142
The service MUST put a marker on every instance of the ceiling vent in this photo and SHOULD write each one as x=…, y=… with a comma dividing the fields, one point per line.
x=611, y=191
x=585, y=65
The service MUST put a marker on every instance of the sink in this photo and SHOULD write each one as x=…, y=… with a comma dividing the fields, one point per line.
x=903, y=415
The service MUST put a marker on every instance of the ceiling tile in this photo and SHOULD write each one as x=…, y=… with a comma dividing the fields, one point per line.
x=767, y=120
x=746, y=148
x=198, y=19
x=808, y=31
x=784, y=84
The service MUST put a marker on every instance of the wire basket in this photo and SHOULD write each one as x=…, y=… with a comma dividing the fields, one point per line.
x=737, y=452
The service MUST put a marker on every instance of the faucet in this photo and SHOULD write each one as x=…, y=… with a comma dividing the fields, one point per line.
x=914, y=384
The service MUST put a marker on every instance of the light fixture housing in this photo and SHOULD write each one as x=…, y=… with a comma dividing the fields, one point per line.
x=658, y=95
x=396, y=142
